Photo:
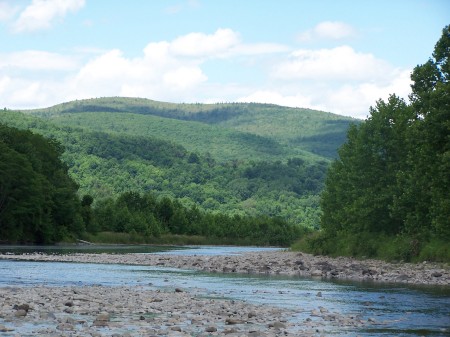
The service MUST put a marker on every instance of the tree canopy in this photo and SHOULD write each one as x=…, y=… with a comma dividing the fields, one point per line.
x=392, y=177
x=38, y=199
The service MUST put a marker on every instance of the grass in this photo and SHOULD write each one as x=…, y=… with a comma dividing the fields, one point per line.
x=375, y=245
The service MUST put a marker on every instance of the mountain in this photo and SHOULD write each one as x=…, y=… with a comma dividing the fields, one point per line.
x=236, y=158
x=265, y=128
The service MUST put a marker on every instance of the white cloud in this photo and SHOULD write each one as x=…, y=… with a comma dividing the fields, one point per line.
x=222, y=44
x=7, y=12
x=40, y=14
x=330, y=30
x=202, y=45
x=37, y=60
x=275, y=97
x=340, y=63
x=184, y=77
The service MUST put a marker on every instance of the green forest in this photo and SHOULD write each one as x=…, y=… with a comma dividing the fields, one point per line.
x=39, y=204
x=388, y=193
x=123, y=170
x=246, y=184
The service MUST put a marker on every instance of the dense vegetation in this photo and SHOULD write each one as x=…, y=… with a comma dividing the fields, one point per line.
x=388, y=193
x=203, y=163
x=39, y=204
x=146, y=218
x=255, y=187
x=38, y=199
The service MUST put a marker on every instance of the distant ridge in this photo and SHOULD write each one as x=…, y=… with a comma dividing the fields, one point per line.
x=235, y=158
x=317, y=132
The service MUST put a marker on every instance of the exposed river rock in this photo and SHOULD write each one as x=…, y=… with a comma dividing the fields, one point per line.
x=272, y=263
x=135, y=311
x=140, y=311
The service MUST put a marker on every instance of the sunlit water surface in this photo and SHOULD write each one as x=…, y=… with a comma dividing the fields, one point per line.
x=398, y=310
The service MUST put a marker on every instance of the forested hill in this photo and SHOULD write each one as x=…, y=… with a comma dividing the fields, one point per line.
x=236, y=159
x=267, y=128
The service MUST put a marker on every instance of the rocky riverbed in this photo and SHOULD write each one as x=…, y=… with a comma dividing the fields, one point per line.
x=138, y=311
x=272, y=263
x=146, y=311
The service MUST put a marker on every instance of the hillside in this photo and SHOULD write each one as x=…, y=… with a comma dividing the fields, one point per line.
x=265, y=128
x=219, y=161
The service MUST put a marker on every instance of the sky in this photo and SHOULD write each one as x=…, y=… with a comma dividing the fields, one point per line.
x=335, y=56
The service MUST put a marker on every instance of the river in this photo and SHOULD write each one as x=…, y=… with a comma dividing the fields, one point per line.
x=401, y=310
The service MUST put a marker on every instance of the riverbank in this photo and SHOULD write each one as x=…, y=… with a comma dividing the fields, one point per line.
x=139, y=311
x=272, y=263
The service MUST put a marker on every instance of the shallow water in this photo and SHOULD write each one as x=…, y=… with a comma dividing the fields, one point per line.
x=396, y=310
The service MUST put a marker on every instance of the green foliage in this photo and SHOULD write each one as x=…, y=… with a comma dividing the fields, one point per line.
x=108, y=164
x=145, y=217
x=265, y=130
x=387, y=194
x=38, y=200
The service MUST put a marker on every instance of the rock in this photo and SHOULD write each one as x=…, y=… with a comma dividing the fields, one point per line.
x=178, y=290
x=232, y=321
x=319, y=294
x=256, y=334
x=20, y=313
x=334, y=273
x=101, y=320
x=369, y=272
x=251, y=314
x=211, y=329
x=4, y=328
x=230, y=331
x=65, y=327
x=68, y=310
x=175, y=328
x=436, y=274
x=25, y=307
x=323, y=310
x=315, y=313
x=277, y=325
x=402, y=277
x=316, y=272
x=69, y=304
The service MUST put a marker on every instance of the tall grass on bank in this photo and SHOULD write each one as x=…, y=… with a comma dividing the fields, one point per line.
x=375, y=245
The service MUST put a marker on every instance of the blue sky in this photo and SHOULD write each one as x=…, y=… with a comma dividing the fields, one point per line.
x=336, y=56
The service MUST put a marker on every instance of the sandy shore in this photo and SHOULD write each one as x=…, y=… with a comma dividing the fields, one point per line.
x=278, y=262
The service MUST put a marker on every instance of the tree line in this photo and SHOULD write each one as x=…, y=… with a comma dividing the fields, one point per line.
x=39, y=203
x=388, y=193
x=38, y=199
x=149, y=217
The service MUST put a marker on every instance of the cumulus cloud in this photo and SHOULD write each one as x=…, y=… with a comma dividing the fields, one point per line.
x=221, y=44
x=40, y=14
x=201, y=45
x=331, y=30
x=340, y=63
